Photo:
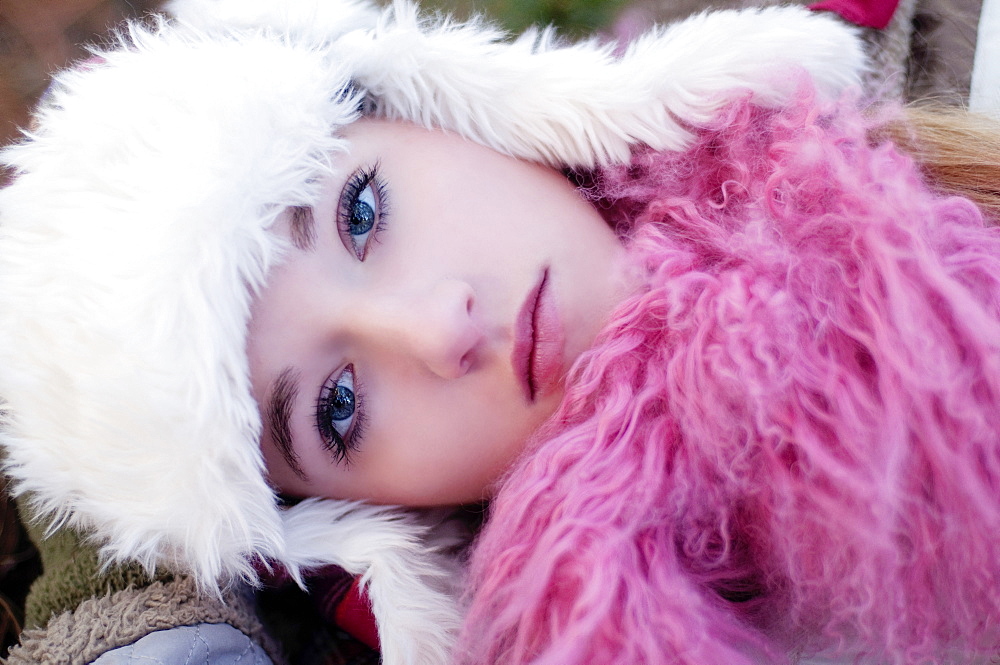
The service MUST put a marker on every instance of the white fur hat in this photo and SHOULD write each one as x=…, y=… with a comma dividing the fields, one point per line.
x=138, y=228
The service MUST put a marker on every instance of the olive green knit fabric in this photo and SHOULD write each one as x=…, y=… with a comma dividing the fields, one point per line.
x=71, y=573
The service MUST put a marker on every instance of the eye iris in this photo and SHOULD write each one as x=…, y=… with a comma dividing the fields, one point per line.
x=362, y=218
x=341, y=403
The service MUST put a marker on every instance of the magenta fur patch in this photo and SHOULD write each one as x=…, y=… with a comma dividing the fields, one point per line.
x=787, y=443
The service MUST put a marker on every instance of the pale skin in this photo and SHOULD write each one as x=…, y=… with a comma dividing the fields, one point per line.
x=382, y=350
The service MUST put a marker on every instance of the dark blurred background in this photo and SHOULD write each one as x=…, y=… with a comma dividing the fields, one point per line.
x=38, y=37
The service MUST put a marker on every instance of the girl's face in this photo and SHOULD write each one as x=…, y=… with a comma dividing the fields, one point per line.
x=422, y=324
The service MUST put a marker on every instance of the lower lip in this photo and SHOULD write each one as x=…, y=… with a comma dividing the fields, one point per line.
x=538, y=342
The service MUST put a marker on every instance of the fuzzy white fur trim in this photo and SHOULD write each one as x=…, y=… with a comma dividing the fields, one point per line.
x=568, y=105
x=579, y=105
x=411, y=582
x=303, y=21
x=130, y=245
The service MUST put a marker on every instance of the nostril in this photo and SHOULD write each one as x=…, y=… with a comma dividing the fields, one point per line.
x=465, y=364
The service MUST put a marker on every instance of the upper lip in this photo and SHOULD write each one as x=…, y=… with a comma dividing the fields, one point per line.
x=525, y=338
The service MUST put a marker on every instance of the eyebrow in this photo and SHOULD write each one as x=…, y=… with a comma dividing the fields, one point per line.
x=278, y=415
x=303, y=227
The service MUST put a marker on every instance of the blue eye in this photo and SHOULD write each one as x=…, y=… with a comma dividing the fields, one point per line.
x=362, y=211
x=339, y=416
x=362, y=215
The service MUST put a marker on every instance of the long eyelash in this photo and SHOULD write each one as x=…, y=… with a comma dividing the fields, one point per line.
x=356, y=184
x=332, y=441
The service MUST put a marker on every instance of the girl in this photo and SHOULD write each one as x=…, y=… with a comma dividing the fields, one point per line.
x=209, y=266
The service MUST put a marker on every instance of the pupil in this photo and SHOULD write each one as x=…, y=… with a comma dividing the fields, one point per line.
x=341, y=403
x=362, y=218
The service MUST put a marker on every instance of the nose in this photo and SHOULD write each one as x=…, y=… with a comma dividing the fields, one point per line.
x=433, y=325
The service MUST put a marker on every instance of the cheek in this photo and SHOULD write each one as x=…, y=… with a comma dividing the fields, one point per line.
x=446, y=445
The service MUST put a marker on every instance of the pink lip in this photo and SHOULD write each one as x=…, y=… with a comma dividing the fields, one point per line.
x=538, y=342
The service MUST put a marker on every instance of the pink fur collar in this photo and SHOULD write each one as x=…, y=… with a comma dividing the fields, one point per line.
x=788, y=443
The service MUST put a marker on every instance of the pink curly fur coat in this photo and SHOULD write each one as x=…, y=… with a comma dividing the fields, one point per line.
x=787, y=443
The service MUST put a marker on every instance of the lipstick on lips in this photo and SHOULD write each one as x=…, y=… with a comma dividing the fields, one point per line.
x=539, y=339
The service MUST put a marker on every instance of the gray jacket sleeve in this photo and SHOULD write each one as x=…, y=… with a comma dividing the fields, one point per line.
x=200, y=644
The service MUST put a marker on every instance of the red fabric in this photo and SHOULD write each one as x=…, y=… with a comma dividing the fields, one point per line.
x=866, y=13
x=354, y=615
x=336, y=595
